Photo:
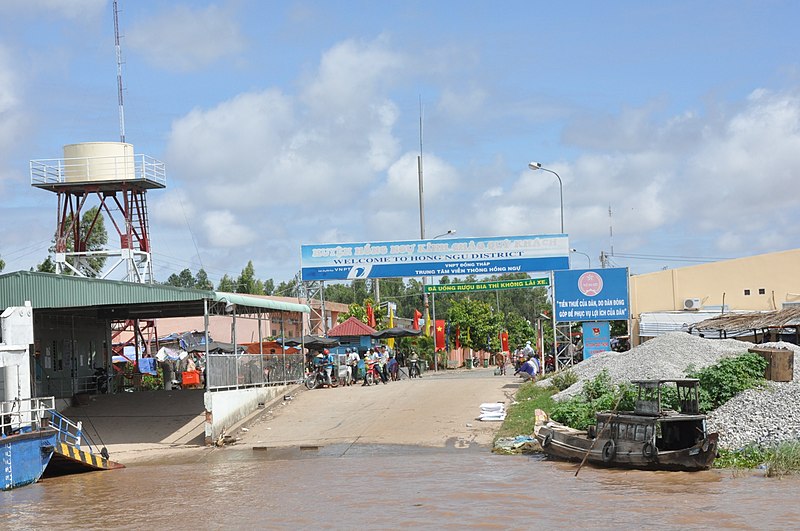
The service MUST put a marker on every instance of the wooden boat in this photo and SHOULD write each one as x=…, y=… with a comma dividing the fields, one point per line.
x=650, y=437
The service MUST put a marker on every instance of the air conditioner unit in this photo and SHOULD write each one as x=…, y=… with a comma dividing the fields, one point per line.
x=691, y=304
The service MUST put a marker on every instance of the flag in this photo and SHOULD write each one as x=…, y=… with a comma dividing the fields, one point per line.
x=417, y=315
x=504, y=340
x=458, y=337
x=390, y=341
x=439, y=339
x=370, y=316
x=427, y=323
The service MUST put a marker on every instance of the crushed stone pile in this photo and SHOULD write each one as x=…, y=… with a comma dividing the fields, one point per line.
x=762, y=417
x=667, y=356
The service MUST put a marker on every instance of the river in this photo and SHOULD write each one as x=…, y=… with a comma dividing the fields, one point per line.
x=350, y=486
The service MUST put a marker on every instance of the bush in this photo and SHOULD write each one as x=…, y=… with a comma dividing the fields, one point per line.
x=599, y=394
x=563, y=379
x=729, y=377
x=784, y=459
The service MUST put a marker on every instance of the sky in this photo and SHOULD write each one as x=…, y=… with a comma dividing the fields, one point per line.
x=284, y=123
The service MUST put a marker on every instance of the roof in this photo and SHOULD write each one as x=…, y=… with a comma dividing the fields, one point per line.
x=352, y=327
x=654, y=324
x=114, y=299
x=788, y=317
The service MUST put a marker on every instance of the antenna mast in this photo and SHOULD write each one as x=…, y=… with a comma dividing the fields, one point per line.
x=610, y=230
x=119, y=74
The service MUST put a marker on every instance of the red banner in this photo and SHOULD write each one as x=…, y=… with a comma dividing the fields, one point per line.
x=370, y=316
x=439, y=338
x=504, y=341
x=458, y=337
x=417, y=316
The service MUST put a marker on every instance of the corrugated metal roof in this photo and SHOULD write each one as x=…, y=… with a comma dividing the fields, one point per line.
x=48, y=290
x=51, y=291
x=352, y=327
x=654, y=324
x=259, y=302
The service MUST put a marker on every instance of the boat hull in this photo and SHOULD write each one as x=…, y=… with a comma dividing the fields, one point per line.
x=573, y=445
x=26, y=456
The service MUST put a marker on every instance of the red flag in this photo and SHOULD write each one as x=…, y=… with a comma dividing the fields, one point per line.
x=370, y=316
x=439, y=338
x=458, y=337
x=504, y=341
x=417, y=316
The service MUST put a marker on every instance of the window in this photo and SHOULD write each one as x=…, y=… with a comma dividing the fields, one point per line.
x=762, y=291
x=747, y=292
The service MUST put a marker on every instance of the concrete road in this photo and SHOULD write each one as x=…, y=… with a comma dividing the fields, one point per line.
x=437, y=410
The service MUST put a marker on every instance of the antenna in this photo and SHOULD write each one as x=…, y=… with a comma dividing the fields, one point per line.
x=610, y=230
x=119, y=74
x=419, y=169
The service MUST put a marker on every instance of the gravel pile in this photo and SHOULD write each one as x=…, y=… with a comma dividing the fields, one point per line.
x=667, y=356
x=761, y=417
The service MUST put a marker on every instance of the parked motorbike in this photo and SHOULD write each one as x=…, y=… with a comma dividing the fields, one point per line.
x=101, y=380
x=317, y=378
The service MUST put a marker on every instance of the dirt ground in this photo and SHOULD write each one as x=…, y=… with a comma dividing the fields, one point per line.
x=437, y=410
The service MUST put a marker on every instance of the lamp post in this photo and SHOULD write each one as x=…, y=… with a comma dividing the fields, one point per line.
x=433, y=305
x=584, y=254
x=538, y=166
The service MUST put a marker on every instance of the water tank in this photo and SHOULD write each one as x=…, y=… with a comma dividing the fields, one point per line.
x=98, y=161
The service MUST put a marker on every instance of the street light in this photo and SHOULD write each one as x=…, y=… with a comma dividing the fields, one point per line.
x=433, y=305
x=584, y=254
x=538, y=166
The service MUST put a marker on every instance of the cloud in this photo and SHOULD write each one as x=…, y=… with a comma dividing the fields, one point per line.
x=223, y=230
x=12, y=116
x=70, y=9
x=724, y=178
x=185, y=38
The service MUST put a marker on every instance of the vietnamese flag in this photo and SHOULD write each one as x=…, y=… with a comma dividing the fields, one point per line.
x=417, y=316
x=370, y=316
x=458, y=337
x=504, y=340
x=439, y=338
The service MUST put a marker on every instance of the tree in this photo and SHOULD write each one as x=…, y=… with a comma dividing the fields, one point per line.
x=92, y=220
x=226, y=284
x=184, y=279
x=269, y=286
x=479, y=324
x=247, y=283
x=2, y=264
x=48, y=266
x=201, y=280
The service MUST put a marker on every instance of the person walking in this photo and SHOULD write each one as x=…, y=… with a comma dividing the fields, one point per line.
x=352, y=362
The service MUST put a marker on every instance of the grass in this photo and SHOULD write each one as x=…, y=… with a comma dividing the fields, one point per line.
x=783, y=460
x=520, y=417
x=780, y=461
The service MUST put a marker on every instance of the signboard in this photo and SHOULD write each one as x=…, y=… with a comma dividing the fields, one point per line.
x=596, y=338
x=419, y=258
x=591, y=294
x=488, y=286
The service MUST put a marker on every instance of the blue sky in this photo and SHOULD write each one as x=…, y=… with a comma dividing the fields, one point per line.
x=290, y=122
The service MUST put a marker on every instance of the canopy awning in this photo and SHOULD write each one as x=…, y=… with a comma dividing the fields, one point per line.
x=247, y=303
x=397, y=331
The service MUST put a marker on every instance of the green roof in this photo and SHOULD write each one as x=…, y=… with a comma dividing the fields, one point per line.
x=120, y=300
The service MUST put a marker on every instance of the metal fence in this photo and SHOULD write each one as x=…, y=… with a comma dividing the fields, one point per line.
x=234, y=371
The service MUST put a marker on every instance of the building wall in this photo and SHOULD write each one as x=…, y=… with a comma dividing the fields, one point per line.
x=771, y=279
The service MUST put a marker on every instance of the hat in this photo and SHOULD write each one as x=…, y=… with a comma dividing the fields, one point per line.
x=527, y=342
x=325, y=351
x=320, y=355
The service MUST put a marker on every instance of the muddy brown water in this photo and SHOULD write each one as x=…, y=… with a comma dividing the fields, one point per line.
x=386, y=487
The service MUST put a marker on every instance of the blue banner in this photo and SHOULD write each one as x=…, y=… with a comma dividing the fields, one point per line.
x=591, y=295
x=418, y=258
x=596, y=338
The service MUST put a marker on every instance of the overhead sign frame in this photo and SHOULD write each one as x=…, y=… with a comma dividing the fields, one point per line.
x=421, y=258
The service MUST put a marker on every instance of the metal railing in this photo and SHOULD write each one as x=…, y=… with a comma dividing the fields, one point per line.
x=30, y=414
x=234, y=371
x=112, y=168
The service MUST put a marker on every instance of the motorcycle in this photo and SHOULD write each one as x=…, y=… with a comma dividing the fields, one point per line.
x=318, y=378
x=101, y=380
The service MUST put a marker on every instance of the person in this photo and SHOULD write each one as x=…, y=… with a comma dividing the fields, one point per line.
x=413, y=364
x=327, y=363
x=384, y=363
x=528, y=351
x=394, y=368
x=352, y=362
x=528, y=370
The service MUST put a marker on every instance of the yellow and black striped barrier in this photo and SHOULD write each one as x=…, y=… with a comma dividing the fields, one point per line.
x=88, y=458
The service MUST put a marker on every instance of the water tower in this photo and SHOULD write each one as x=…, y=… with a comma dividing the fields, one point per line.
x=119, y=179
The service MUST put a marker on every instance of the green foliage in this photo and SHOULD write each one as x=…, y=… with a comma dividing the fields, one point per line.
x=748, y=457
x=520, y=418
x=48, y=266
x=226, y=284
x=730, y=376
x=563, y=379
x=153, y=383
x=783, y=459
x=201, y=280
x=354, y=310
x=184, y=279
x=479, y=323
x=599, y=394
x=3, y=264
x=91, y=266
